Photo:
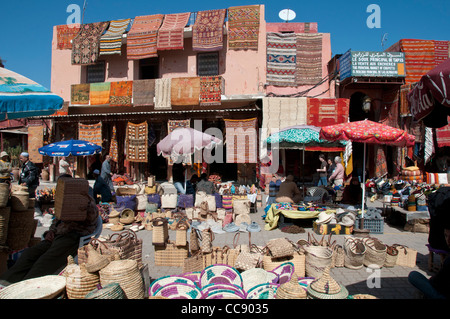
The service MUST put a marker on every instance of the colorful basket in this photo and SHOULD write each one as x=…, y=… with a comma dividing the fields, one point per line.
x=220, y=273
x=263, y=291
x=179, y=290
x=284, y=272
x=166, y=280
x=109, y=291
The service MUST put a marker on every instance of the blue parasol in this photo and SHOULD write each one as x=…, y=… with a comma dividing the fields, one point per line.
x=21, y=97
x=70, y=147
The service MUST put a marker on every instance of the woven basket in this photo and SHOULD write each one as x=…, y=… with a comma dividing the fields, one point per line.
x=4, y=194
x=126, y=216
x=21, y=228
x=391, y=256
x=291, y=290
x=354, y=253
x=263, y=291
x=181, y=234
x=220, y=274
x=338, y=256
x=45, y=287
x=280, y=247
x=126, y=274
x=363, y=296
x=110, y=291
x=170, y=255
x=79, y=281
x=193, y=263
x=326, y=287
x=406, y=256
x=298, y=260
x=179, y=291
x=95, y=261
x=211, y=289
x=167, y=280
x=4, y=221
x=317, y=259
x=19, y=201
x=160, y=234
x=375, y=252
x=257, y=276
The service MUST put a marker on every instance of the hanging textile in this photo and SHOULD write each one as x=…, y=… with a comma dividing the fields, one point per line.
x=404, y=106
x=171, y=33
x=390, y=109
x=142, y=37
x=429, y=145
x=324, y=111
x=241, y=140
x=443, y=135
x=211, y=90
x=65, y=34
x=380, y=161
x=80, y=94
x=99, y=93
x=174, y=124
x=309, y=58
x=111, y=41
x=143, y=92
x=185, y=91
x=90, y=133
x=162, y=94
x=243, y=27
x=441, y=52
x=121, y=93
x=113, y=147
x=207, y=32
x=281, y=59
x=136, y=142
x=86, y=45
x=35, y=141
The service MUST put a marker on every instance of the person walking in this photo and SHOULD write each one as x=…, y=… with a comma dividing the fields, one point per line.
x=106, y=173
x=30, y=174
x=338, y=175
x=322, y=171
x=101, y=188
x=5, y=168
x=331, y=168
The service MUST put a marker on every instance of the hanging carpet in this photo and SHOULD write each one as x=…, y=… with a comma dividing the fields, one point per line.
x=309, y=58
x=90, y=133
x=121, y=93
x=241, y=140
x=143, y=92
x=243, y=27
x=207, y=32
x=185, y=91
x=35, y=141
x=65, y=34
x=171, y=33
x=80, y=94
x=325, y=112
x=162, y=94
x=114, y=147
x=136, y=142
x=142, y=37
x=99, y=93
x=211, y=90
x=86, y=45
x=281, y=59
x=111, y=41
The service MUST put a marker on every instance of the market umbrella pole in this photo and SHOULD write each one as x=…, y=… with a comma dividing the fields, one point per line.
x=361, y=225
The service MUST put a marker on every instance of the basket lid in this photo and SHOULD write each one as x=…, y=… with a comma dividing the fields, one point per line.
x=45, y=287
x=326, y=284
x=291, y=288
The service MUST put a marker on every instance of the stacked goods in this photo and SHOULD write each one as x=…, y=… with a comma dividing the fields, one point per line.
x=71, y=199
x=21, y=228
x=241, y=211
x=412, y=174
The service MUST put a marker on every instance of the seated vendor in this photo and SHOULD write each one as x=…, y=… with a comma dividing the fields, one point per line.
x=289, y=192
x=352, y=194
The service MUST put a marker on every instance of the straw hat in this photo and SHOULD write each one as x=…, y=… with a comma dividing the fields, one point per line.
x=326, y=287
x=324, y=218
x=95, y=260
x=45, y=287
x=256, y=276
x=3, y=154
x=291, y=290
x=220, y=273
x=346, y=220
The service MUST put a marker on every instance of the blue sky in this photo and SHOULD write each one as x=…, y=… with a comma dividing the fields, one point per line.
x=26, y=25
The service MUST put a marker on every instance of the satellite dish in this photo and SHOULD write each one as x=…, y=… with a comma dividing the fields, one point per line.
x=287, y=15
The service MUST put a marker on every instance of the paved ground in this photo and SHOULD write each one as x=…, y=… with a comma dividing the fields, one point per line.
x=393, y=283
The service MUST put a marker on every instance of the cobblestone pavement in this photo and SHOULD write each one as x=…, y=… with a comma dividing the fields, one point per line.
x=392, y=284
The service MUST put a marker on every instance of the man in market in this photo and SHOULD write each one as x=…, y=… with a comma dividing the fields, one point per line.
x=204, y=185
x=106, y=173
x=101, y=188
x=50, y=255
x=5, y=168
x=288, y=192
x=64, y=167
x=30, y=174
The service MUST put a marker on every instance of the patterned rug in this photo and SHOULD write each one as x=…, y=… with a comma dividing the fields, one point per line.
x=143, y=92
x=86, y=45
x=324, y=112
x=171, y=33
x=136, y=142
x=35, y=141
x=404, y=106
x=185, y=91
x=99, y=93
x=114, y=147
x=211, y=90
x=443, y=135
x=80, y=94
x=174, y=124
x=142, y=37
x=65, y=34
x=207, y=32
x=90, y=133
x=281, y=59
x=162, y=94
x=121, y=93
x=241, y=140
x=111, y=41
x=243, y=27
x=309, y=58
x=441, y=52
x=380, y=161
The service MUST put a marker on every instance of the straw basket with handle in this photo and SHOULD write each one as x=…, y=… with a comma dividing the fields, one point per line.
x=375, y=252
x=170, y=255
x=4, y=194
x=406, y=256
x=19, y=201
x=354, y=250
x=391, y=256
x=79, y=281
x=160, y=233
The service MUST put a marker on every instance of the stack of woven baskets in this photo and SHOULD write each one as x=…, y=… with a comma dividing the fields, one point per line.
x=326, y=287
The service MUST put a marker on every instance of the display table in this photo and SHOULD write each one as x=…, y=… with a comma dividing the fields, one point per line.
x=273, y=214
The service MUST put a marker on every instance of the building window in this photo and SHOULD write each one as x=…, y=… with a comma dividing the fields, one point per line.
x=208, y=64
x=148, y=68
x=96, y=72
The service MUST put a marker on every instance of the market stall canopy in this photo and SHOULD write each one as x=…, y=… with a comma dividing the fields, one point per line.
x=184, y=142
x=301, y=136
x=429, y=100
x=70, y=147
x=21, y=97
x=367, y=132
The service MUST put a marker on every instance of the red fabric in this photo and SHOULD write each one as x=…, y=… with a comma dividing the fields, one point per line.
x=443, y=135
x=325, y=112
